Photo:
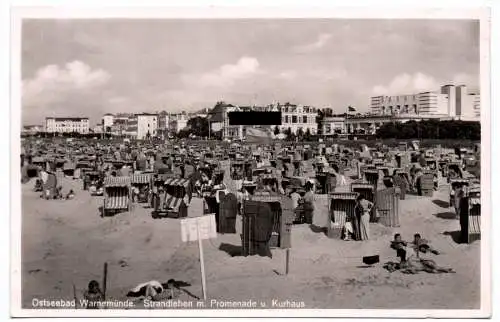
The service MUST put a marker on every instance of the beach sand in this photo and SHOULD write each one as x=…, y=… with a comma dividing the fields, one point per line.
x=67, y=242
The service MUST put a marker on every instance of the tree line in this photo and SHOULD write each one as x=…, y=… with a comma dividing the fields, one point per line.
x=431, y=129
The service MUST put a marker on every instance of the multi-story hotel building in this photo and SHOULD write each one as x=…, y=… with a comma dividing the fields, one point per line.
x=450, y=101
x=147, y=125
x=107, y=122
x=293, y=117
x=298, y=117
x=67, y=125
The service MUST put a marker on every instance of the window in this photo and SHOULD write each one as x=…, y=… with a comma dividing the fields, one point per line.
x=286, y=118
x=294, y=118
x=304, y=119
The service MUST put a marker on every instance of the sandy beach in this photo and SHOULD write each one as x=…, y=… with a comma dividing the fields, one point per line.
x=67, y=242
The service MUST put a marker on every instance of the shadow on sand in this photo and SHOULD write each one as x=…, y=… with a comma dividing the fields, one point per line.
x=109, y=212
x=231, y=250
x=446, y=215
x=455, y=235
x=318, y=229
x=441, y=203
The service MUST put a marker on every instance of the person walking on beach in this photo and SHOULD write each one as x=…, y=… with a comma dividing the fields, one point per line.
x=364, y=208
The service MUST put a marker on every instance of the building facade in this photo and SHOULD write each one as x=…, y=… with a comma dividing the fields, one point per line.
x=369, y=124
x=298, y=117
x=450, y=92
x=107, y=122
x=476, y=105
x=218, y=121
x=333, y=125
x=67, y=125
x=147, y=125
x=177, y=122
x=293, y=117
x=31, y=129
x=450, y=100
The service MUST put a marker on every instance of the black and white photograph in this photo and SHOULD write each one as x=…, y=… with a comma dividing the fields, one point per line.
x=233, y=163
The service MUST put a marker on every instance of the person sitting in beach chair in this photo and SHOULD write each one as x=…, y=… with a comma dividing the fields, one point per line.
x=348, y=230
x=93, y=295
x=422, y=245
x=92, y=187
x=135, y=194
x=38, y=185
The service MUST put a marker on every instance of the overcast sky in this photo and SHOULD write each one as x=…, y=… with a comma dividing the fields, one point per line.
x=91, y=67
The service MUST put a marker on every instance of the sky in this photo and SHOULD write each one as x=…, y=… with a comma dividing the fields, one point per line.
x=91, y=67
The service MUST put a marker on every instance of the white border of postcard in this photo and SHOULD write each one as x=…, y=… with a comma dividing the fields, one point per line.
x=482, y=14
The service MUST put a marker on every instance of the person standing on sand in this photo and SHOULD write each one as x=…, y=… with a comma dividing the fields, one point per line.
x=295, y=196
x=364, y=208
x=309, y=203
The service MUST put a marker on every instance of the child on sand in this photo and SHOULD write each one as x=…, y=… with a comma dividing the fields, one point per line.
x=93, y=295
x=422, y=245
x=400, y=246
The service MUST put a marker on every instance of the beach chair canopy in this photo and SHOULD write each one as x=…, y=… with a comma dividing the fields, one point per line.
x=143, y=178
x=110, y=182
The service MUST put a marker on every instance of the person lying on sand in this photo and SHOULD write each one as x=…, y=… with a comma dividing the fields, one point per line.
x=149, y=290
x=156, y=291
x=422, y=245
x=414, y=265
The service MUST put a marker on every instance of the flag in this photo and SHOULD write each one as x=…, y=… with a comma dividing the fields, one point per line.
x=351, y=109
x=261, y=136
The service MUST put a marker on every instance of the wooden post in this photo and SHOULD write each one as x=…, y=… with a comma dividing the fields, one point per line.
x=202, y=263
x=287, y=261
x=104, y=281
x=74, y=296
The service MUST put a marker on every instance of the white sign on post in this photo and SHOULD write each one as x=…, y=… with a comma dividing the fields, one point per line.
x=205, y=225
x=199, y=228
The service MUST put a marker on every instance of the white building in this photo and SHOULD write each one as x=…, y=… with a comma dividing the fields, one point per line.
x=67, y=124
x=218, y=120
x=451, y=101
x=298, y=117
x=388, y=105
x=293, y=116
x=147, y=125
x=451, y=92
x=331, y=125
x=432, y=103
x=476, y=105
x=107, y=122
x=177, y=122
